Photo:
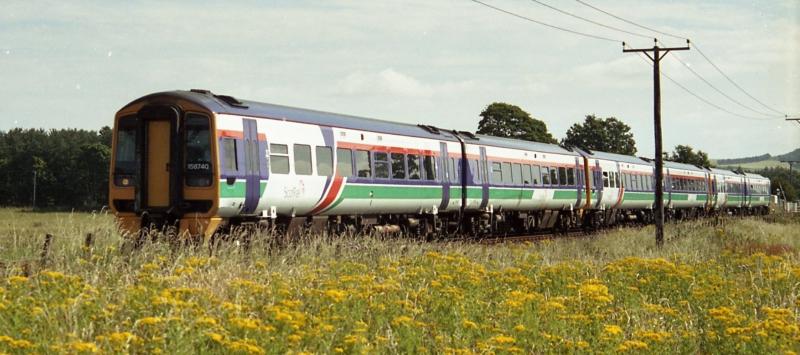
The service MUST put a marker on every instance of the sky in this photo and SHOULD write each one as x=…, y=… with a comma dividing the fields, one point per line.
x=73, y=64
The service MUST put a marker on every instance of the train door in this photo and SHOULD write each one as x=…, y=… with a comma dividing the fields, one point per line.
x=444, y=167
x=252, y=166
x=597, y=176
x=158, y=153
x=483, y=166
x=158, y=178
x=578, y=181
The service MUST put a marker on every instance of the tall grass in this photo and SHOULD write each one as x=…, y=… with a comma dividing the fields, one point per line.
x=725, y=287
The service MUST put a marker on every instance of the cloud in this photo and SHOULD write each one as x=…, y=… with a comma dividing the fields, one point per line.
x=392, y=82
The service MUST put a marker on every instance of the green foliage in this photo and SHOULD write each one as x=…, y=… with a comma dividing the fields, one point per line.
x=685, y=154
x=510, y=121
x=783, y=178
x=602, y=134
x=71, y=167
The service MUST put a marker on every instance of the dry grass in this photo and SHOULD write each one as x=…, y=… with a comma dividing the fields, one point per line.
x=730, y=287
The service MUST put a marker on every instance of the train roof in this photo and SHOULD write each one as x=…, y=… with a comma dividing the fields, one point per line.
x=228, y=105
x=616, y=157
x=520, y=144
x=755, y=176
x=719, y=171
x=690, y=167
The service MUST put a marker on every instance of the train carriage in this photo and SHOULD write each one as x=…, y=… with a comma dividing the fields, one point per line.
x=686, y=186
x=194, y=162
x=758, y=188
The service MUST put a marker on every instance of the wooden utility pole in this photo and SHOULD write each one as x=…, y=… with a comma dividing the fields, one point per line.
x=658, y=54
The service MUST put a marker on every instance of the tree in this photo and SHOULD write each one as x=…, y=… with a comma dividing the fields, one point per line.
x=685, y=154
x=779, y=177
x=505, y=120
x=602, y=134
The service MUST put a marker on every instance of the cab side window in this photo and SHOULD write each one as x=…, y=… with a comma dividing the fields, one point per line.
x=279, y=158
x=302, y=159
x=344, y=162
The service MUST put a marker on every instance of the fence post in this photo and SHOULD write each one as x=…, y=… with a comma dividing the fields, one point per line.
x=48, y=239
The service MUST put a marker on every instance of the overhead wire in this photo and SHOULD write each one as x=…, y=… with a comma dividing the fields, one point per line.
x=591, y=21
x=546, y=24
x=733, y=82
x=704, y=100
x=631, y=22
x=717, y=89
x=641, y=35
x=694, y=46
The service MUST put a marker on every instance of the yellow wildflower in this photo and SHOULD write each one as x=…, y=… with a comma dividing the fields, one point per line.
x=612, y=330
x=632, y=345
x=83, y=347
x=15, y=343
x=469, y=324
x=336, y=295
x=150, y=320
x=401, y=320
x=502, y=339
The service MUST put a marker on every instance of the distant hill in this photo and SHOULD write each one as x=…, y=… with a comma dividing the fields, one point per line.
x=744, y=160
x=759, y=162
x=793, y=155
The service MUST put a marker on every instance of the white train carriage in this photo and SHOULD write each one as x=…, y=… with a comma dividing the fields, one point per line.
x=729, y=189
x=758, y=191
x=686, y=186
x=196, y=161
x=529, y=176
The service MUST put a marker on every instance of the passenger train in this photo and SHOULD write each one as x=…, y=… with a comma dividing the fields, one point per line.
x=201, y=163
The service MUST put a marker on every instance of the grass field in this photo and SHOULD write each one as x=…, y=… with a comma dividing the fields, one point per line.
x=730, y=287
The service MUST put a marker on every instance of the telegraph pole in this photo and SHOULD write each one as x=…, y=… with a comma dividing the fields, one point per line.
x=658, y=54
x=34, y=189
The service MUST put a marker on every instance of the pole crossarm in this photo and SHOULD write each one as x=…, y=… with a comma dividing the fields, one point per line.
x=658, y=54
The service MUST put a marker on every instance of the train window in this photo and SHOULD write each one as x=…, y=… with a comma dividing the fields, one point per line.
x=413, y=167
x=545, y=175
x=536, y=171
x=497, y=173
x=477, y=174
x=279, y=158
x=398, y=166
x=516, y=173
x=125, y=163
x=229, y=154
x=605, y=179
x=363, y=164
x=429, y=166
x=626, y=179
x=562, y=176
x=616, y=179
x=198, y=151
x=302, y=159
x=571, y=176
x=553, y=176
x=507, y=179
x=324, y=161
x=526, y=174
x=381, y=165
x=344, y=162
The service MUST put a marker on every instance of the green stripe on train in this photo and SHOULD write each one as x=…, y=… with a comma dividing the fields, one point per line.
x=565, y=195
x=237, y=190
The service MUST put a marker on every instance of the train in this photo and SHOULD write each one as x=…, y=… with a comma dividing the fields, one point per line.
x=200, y=164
